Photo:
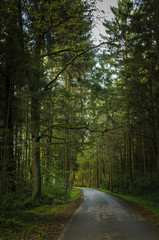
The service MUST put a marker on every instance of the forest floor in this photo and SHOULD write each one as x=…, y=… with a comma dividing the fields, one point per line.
x=51, y=226
x=41, y=223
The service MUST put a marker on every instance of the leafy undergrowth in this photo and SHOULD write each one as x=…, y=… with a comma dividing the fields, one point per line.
x=146, y=204
x=38, y=222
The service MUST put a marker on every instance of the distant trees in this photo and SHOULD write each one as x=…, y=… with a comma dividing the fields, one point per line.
x=129, y=153
x=64, y=119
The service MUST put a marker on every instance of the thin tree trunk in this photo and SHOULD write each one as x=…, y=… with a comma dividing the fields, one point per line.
x=26, y=137
x=97, y=168
x=36, y=172
x=35, y=127
x=90, y=174
x=110, y=172
x=8, y=157
x=122, y=172
x=103, y=167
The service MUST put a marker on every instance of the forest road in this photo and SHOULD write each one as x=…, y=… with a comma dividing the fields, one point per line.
x=104, y=217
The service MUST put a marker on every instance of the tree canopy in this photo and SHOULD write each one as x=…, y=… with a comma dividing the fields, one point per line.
x=72, y=113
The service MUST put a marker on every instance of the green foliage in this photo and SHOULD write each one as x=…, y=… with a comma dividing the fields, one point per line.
x=62, y=89
x=123, y=98
x=54, y=193
x=74, y=195
x=51, y=41
x=17, y=221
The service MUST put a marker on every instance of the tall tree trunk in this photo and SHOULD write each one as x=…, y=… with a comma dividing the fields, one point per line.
x=48, y=157
x=97, y=168
x=122, y=172
x=67, y=136
x=36, y=174
x=8, y=171
x=110, y=171
x=103, y=167
x=35, y=126
x=26, y=136
x=8, y=158
x=90, y=173
x=155, y=86
x=130, y=162
x=67, y=166
x=129, y=153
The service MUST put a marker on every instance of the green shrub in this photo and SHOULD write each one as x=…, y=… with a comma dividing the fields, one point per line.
x=54, y=193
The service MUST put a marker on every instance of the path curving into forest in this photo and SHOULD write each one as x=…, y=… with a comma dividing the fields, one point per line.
x=105, y=217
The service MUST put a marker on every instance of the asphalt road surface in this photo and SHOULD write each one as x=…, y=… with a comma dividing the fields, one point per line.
x=104, y=217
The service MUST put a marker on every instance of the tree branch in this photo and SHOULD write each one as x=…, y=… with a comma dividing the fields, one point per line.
x=71, y=127
x=50, y=136
x=63, y=68
x=68, y=63
x=60, y=51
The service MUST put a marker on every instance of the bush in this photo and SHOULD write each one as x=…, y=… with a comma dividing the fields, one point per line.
x=54, y=193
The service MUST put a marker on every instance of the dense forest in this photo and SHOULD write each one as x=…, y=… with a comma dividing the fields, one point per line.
x=73, y=113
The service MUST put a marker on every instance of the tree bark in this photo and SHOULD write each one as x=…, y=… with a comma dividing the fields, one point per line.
x=36, y=173
x=35, y=126
x=97, y=168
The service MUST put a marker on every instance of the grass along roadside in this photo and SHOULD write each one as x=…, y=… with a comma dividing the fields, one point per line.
x=39, y=222
x=147, y=205
x=51, y=209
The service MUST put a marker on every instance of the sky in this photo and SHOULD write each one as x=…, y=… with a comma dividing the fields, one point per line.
x=105, y=6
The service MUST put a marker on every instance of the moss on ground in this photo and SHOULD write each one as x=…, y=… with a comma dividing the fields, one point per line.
x=38, y=221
